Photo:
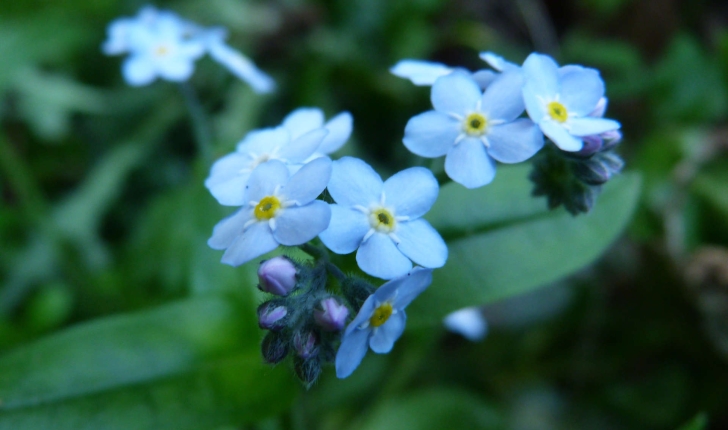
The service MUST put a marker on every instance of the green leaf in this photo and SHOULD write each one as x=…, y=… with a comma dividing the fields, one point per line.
x=700, y=422
x=189, y=365
x=434, y=409
x=503, y=242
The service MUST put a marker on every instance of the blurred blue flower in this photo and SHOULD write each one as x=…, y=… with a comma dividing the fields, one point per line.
x=560, y=101
x=474, y=129
x=279, y=209
x=382, y=219
x=161, y=44
x=468, y=322
x=425, y=73
x=229, y=175
x=381, y=320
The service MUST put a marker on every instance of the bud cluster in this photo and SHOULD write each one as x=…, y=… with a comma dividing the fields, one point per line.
x=305, y=319
x=575, y=179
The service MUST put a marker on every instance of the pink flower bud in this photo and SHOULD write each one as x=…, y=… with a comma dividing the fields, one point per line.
x=270, y=316
x=277, y=276
x=305, y=344
x=332, y=315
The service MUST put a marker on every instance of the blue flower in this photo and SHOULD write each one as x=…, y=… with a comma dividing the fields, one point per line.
x=229, y=175
x=474, y=129
x=382, y=220
x=469, y=322
x=161, y=44
x=380, y=321
x=279, y=209
x=425, y=73
x=305, y=120
x=560, y=101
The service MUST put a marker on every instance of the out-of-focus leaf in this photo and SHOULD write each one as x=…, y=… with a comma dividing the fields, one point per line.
x=518, y=247
x=189, y=365
x=442, y=408
x=700, y=422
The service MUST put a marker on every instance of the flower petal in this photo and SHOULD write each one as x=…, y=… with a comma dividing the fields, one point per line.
x=339, y=128
x=346, y=229
x=484, y=78
x=228, y=177
x=497, y=62
x=138, y=71
x=299, y=224
x=468, y=164
x=230, y=228
x=352, y=350
x=422, y=73
x=309, y=181
x=469, y=322
x=265, y=179
x=254, y=242
x=242, y=67
x=378, y=256
x=410, y=286
x=411, y=192
x=515, y=141
x=541, y=73
x=264, y=141
x=354, y=182
x=535, y=106
x=560, y=136
x=303, y=120
x=503, y=99
x=588, y=126
x=456, y=93
x=303, y=147
x=421, y=243
x=177, y=69
x=383, y=337
x=581, y=90
x=431, y=134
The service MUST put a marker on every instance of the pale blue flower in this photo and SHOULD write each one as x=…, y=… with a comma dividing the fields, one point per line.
x=498, y=63
x=473, y=129
x=381, y=220
x=304, y=120
x=161, y=44
x=468, y=322
x=279, y=209
x=560, y=101
x=381, y=320
x=229, y=175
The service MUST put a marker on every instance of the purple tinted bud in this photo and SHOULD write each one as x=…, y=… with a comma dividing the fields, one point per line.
x=305, y=344
x=272, y=316
x=277, y=276
x=332, y=315
x=592, y=145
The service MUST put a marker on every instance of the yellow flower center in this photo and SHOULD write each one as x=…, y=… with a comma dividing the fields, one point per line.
x=558, y=111
x=382, y=220
x=267, y=208
x=381, y=315
x=161, y=51
x=475, y=124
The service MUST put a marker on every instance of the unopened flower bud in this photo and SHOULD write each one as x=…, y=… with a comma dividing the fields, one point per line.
x=332, y=315
x=304, y=342
x=272, y=315
x=356, y=291
x=277, y=276
x=307, y=370
x=274, y=348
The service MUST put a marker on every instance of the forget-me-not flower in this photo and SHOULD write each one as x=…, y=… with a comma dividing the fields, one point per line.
x=279, y=209
x=380, y=321
x=229, y=175
x=560, y=101
x=162, y=44
x=382, y=219
x=468, y=322
x=425, y=73
x=473, y=129
x=304, y=120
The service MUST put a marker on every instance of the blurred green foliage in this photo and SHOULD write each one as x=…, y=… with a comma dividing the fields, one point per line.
x=115, y=314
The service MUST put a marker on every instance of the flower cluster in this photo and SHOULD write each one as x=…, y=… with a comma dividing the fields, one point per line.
x=477, y=121
x=161, y=44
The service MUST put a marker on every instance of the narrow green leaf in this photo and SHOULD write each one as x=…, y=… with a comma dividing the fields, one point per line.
x=188, y=365
x=699, y=422
x=492, y=258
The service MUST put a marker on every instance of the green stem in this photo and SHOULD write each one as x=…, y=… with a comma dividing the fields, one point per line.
x=203, y=137
x=313, y=251
x=21, y=181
